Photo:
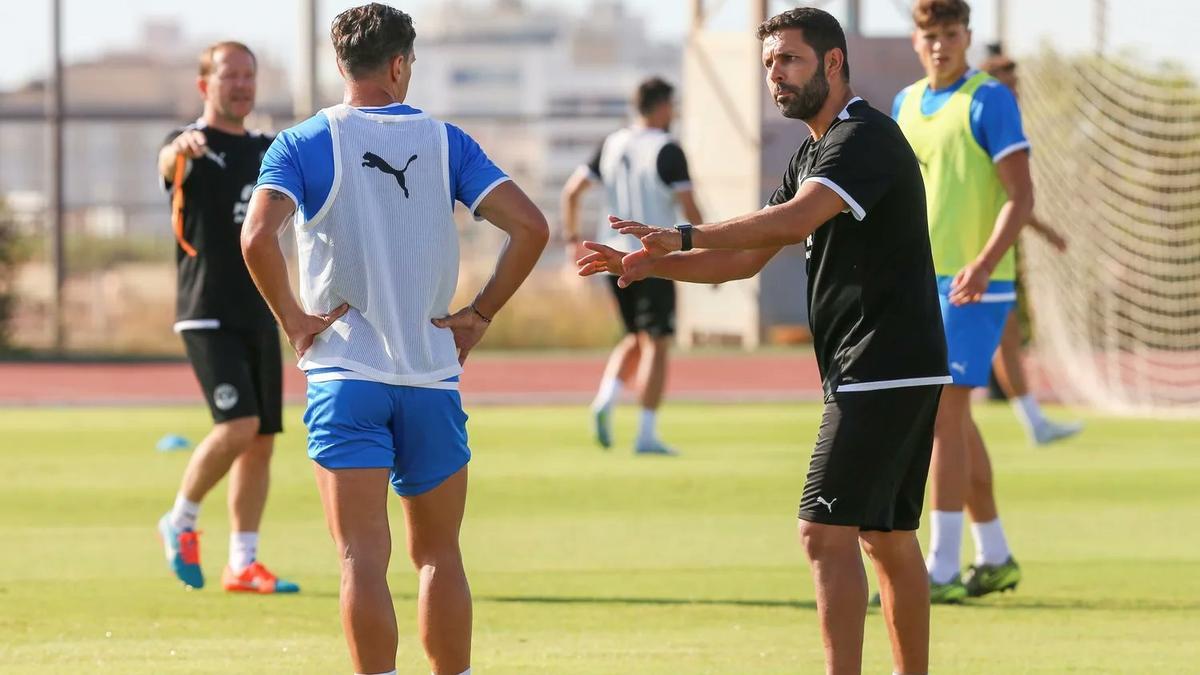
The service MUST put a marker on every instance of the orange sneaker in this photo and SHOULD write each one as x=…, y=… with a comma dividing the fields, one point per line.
x=182, y=548
x=256, y=579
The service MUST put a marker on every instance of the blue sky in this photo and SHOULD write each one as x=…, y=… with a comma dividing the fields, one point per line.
x=1152, y=30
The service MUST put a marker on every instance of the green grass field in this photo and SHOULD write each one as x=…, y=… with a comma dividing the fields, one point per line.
x=591, y=562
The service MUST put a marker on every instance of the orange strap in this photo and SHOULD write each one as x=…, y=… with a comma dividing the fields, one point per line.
x=177, y=205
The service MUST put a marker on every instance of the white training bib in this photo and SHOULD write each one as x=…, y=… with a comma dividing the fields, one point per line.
x=384, y=242
x=632, y=186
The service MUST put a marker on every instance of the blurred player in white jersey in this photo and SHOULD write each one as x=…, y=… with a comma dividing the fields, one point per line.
x=645, y=177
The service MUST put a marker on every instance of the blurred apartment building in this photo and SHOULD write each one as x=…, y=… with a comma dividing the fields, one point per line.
x=117, y=108
x=539, y=89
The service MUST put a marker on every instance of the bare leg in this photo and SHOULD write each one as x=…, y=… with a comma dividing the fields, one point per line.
x=948, y=468
x=841, y=586
x=948, y=485
x=444, y=600
x=904, y=594
x=355, y=502
x=249, y=479
x=1006, y=362
x=623, y=361
x=981, y=495
x=652, y=371
x=1010, y=373
x=215, y=454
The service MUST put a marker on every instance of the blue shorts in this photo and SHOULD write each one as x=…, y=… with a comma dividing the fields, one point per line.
x=973, y=331
x=418, y=433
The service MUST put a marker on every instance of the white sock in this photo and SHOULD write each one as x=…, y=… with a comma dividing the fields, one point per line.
x=610, y=390
x=390, y=672
x=945, y=545
x=648, y=431
x=184, y=514
x=243, y=550
x=1028, y=411
x=991, y=548
x=465, y=672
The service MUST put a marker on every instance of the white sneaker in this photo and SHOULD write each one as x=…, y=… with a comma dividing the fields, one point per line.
x=653, y=447
x=1049, y=432
x=602, y=425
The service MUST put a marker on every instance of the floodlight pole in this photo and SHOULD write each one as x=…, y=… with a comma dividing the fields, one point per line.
x=1100, y=24
x=1002, y=24
x=54, y=178
x=304, y=102
x=853, y=17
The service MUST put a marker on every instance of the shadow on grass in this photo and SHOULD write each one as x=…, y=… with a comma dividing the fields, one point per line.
x=597, y=600
x=1010, y=603
x=1095, y=605
x=589, y=600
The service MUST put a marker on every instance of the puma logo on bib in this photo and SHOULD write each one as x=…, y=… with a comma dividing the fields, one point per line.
x=374, y=161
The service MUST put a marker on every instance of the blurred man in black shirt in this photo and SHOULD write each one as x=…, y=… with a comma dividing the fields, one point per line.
x=210, y=168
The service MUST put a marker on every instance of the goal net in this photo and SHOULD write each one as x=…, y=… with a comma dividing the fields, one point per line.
x=1116, y=165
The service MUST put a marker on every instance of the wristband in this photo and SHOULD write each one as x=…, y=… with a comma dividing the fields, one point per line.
x=479, y=313
x=685, y=233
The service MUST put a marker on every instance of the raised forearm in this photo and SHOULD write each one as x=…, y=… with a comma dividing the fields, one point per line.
x=569, y=208
x=509, y=209
x=711, y=266
x=1013, y=215
x=1039, y=227
x=264, y=256
x=166, y=161
x=572, y=193
x=517, y=259
x=687, y=204
x=773, y=226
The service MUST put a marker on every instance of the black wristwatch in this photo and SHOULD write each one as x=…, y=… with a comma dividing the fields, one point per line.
x=685, y=232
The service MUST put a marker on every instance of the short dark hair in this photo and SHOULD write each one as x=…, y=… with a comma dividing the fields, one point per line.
x=369, y=36
x=651, y=93
x=210, y=52
x=930, y=13
x=821, y=31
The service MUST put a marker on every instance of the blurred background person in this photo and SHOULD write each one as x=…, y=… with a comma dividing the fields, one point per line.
x=210, y=167
x=1007, y=368
x=644, y=173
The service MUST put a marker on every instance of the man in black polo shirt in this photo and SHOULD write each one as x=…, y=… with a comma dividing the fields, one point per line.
x=854, y=194
x=210, y=168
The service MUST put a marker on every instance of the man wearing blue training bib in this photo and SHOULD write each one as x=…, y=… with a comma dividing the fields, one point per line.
x=965, y=129
x=371, y=186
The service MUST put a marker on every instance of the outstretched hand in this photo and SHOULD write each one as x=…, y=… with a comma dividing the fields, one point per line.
x=628, y=267
x=302, y=330
x=191, y=143
x=601, y=259
x=468, y=328
x=657, y=241
x=969, y=284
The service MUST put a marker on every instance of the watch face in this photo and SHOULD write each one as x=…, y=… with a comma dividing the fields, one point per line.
x=685, y=232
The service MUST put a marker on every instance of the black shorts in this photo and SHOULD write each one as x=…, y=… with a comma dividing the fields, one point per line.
x=871, y=460
x=647, y=306
x=241, y=373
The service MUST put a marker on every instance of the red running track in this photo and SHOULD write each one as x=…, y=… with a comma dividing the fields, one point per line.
x=488, y=379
